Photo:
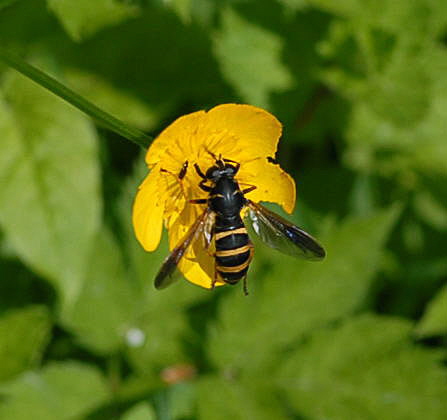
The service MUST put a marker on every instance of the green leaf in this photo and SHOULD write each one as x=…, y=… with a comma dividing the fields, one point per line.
x=5, y=3
x=117, y=102
x=182, y=399
x=65, y=93
x=298, y=296
x=182, y=8
x=158, y=339
x=366, y=368
x=434, y=320
x=397, y=87
x=221, y=398
x=400, y=84
x=60, y=391
x=82, y=18
x=137, y=387
x=109, y=302
x=294, y=5
x=413, y=19
x=431, y=210
x=49, y=174
x=250, y=59
x=141, y=411
x=24, y=334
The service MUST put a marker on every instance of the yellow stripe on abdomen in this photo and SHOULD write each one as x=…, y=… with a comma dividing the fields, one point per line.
x=220, y=235
x=230, y=252
x=235, y=269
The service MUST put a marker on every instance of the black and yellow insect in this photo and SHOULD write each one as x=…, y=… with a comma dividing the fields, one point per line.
x=222, y=221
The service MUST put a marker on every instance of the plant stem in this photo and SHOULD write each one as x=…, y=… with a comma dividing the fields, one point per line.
x=101, y=117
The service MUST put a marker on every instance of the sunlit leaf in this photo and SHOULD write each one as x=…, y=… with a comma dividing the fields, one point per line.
x=396, y=85
x=366, y=368
x=82, y=18
x=431, y=210
x=250, y=59
x=157, y=340
x=50, y=183
x=60, y=391
x=221, y=398
x=434, y=320
x=141, y=411
x=183, y=400
x=109, y=302
x=412, y=18
x=182, y=8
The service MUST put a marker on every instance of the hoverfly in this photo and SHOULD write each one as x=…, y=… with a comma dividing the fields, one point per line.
x=222, y=221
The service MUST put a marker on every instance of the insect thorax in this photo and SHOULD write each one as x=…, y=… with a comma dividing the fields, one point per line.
x=226, y=198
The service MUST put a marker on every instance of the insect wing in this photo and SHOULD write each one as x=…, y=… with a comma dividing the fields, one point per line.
x=169, y=273
x=282, y=235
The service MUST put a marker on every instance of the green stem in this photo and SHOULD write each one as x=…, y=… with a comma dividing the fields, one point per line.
x=101, y=117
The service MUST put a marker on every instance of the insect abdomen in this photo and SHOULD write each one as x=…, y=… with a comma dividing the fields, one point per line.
x=233, y=250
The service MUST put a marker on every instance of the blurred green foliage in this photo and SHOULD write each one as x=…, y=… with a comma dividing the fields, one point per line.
x=361, y=87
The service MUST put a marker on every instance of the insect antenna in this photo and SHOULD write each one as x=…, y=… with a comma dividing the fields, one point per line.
x=220, y=162
x=213, y=155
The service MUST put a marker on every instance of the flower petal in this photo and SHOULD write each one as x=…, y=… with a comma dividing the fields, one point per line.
x=148, y=208
x=177, y=137
x=273, y=184
x=194, y=273
x=197, y=265
x=257, y=132
x=237, y=131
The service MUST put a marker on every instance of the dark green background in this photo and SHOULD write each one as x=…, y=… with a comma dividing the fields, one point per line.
x=361, y=88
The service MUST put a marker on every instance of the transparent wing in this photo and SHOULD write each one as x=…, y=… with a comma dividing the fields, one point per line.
x=168, y=273
x=282, y=235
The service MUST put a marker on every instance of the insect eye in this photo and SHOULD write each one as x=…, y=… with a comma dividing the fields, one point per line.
x=212, y=172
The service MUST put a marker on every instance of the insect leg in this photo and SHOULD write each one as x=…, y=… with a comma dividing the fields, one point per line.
x=247, y=190
x=245, y=285
x=199, y=201
x=203, y=186
x=213, y=282
x=252, y=253
x=199, y=171
x=178, y=178
x=182, y=172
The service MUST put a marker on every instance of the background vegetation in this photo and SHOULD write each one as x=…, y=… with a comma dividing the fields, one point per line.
x=361, y=87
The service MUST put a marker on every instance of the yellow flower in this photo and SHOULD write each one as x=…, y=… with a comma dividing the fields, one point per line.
x=242, y=133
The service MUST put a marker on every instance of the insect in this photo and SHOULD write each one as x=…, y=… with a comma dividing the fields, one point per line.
x=221, y=220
